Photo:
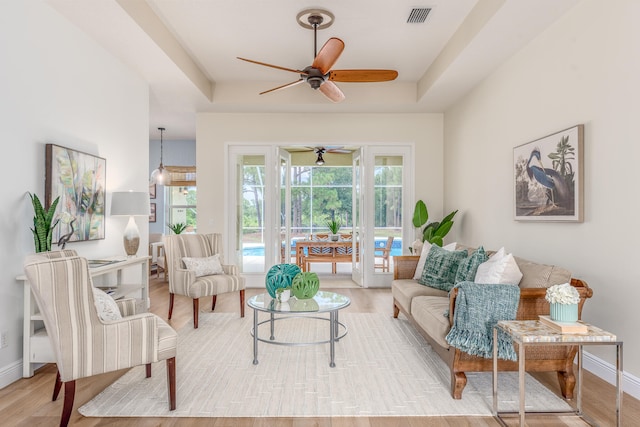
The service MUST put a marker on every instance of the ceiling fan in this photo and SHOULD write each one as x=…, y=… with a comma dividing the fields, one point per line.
x=319, y=74
x=319, y=151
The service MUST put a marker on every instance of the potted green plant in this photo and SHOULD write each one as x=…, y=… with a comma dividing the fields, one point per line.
x=178, y=227
x=42, y=223
x=434, y=232
x=334, y=226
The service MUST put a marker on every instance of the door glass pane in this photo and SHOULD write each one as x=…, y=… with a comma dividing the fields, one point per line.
x=388, y=211
x=251, y=213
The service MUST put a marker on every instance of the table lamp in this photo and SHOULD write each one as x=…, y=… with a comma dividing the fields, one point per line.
x=130, y=203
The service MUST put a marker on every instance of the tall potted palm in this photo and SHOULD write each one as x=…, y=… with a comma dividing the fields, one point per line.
x=434, y=232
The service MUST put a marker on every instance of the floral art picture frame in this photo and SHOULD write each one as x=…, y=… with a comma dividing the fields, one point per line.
x=79, y=179
x=548, y=177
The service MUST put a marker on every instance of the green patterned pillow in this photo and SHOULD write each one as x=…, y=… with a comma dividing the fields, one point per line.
x=440, y=268
x=468, y=266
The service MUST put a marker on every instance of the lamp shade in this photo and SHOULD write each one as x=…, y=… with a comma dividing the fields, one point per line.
x=130, y=203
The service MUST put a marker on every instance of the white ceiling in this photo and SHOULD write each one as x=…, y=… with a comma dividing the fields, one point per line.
x=187, y=49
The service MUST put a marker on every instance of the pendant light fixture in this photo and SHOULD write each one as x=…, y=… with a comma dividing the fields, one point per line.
x=160, y=175
x=319, y=160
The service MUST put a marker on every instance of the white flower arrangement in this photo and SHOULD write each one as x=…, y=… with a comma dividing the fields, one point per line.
x=562, y=294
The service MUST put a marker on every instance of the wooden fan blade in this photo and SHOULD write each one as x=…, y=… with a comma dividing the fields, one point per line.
x=273, y=66
x=366, y=76
x=331, y=91
x=282, y=87
x=328, y=55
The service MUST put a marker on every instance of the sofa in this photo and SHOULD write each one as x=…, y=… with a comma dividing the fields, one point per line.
x=425, y=307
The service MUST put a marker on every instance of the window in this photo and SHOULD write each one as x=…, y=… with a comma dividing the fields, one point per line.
x=182, y=207
x=319, y=194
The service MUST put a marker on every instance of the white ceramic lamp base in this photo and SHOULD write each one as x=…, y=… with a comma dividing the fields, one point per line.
x=131, y=237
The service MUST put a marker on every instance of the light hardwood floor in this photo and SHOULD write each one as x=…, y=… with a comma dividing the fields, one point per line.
x=27, y=402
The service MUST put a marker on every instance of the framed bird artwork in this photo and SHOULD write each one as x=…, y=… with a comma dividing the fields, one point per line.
x=548, y=183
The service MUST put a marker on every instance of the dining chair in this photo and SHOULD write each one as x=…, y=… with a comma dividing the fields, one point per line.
x=85, y=344
x=382, y=255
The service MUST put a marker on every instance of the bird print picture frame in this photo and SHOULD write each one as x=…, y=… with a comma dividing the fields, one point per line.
x=79, y=179
x=548, y=173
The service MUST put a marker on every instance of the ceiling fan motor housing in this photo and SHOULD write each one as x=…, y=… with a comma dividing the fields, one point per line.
x=314, y=77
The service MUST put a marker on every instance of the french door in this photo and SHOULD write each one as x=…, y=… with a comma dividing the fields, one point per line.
x=260, y=227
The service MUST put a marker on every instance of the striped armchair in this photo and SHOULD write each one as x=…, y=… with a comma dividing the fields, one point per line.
x=185, y=282
x=84, y=345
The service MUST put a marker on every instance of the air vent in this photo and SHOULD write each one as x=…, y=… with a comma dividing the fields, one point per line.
x=418, y=16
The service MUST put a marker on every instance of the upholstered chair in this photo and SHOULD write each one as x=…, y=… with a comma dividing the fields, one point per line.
x=83, y=343
x=208, y=275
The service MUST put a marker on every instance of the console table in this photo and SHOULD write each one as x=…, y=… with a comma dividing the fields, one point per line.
x=35, y=342
x=534, y=332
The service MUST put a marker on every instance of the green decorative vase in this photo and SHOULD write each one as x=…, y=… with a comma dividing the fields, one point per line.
x=305, y=285
x=280, y=276
x=564, y=312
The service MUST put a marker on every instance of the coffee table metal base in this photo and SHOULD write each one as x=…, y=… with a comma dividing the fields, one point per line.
x=337, y=330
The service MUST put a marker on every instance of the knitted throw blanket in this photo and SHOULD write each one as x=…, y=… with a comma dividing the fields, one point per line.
x=478, y=309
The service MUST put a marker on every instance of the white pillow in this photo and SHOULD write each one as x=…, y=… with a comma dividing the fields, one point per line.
x=105, y=305
x=423, y=257
x=204, y=266
x=501, y=270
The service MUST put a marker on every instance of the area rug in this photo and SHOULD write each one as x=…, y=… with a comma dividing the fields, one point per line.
x=383, y=368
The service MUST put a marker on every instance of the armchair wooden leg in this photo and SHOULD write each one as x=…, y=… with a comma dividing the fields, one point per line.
x=69, y=395
x=170, y=304
x=213, y=302
x=196, y=309
x=242, y=303
x=171, y=382
x=56, y=387
x=148, y=367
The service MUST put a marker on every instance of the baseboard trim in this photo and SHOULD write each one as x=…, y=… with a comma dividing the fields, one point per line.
x=607, y=371
x=10, y=373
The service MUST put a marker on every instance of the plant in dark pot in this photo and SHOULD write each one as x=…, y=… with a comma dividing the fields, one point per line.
x=434, y=232
x=42, y=223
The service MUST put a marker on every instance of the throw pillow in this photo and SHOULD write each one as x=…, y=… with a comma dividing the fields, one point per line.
x=440, y=268
x=467, y=268
x=204, y=266
x=502, y=271
x=105, y=305
x=423, y=257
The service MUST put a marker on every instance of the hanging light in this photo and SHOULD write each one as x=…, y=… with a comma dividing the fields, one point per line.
x=160, y=175
x=319, y=160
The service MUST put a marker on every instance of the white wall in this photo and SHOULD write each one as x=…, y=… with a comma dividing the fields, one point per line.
x=584, y=69
x=216, y=129
x=58, y=86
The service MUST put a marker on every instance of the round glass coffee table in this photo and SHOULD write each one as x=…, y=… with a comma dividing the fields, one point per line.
x=322, y=302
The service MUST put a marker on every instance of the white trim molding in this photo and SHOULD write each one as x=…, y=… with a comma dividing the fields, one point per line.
x=607, y=371
x=10, y=373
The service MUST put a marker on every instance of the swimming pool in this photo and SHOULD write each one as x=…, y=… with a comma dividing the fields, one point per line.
x=257, y=249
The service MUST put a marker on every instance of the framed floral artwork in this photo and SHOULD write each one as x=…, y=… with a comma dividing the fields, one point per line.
x=79, y=179
x=549, y=177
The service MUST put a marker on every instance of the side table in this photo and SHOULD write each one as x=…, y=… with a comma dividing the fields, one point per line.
x=533, y=332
